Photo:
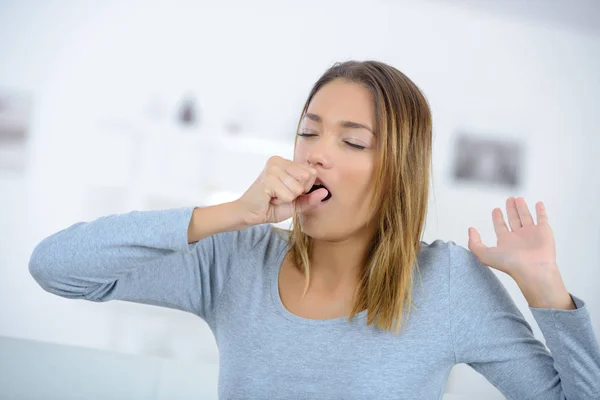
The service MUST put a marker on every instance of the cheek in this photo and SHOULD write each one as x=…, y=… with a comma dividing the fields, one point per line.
x=358, y=187
x=365, y=174
x=299, y=153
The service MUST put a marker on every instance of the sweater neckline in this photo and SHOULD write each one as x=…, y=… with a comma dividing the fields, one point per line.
x=284, y=312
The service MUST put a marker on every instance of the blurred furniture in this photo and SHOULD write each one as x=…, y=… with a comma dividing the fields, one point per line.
x=37, y=370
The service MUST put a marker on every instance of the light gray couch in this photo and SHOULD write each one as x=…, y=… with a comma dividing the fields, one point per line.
x=37, y=370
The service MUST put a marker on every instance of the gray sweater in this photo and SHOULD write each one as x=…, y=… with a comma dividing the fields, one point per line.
x=461, y=314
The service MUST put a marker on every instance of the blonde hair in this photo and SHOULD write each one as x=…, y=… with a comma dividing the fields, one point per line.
x=400, y=191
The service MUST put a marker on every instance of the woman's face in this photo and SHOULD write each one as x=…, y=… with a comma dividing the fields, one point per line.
x=336, y=137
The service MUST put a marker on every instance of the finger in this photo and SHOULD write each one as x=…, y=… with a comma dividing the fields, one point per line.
x=295, y=187
x=542, y=216
x=476, y=246
x=301, y=204
x=523, y=210
x=486, y=255
x=278, y=192
x=512, y=213
x=498, y=221
x=309, y=201
x=297, y=170
x=304, y=174
x=475, y=242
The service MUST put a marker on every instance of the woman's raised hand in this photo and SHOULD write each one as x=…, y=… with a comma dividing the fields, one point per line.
x=279, y=191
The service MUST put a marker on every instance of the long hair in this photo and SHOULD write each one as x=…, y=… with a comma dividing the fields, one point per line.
x=400, y=191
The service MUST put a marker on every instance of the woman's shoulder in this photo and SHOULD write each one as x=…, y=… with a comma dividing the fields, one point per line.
x=457, y=266
x=241, y=242
x=448, y=254
x=446, y=261
x=436, y=248
x=432, y=262
x=262, y=239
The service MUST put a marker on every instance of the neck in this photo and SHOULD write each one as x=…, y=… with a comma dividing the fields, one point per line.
x=336, y=266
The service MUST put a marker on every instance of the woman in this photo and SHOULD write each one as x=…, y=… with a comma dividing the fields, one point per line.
x=350, y=303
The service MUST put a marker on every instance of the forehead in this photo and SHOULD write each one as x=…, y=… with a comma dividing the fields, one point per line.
x=342, y=100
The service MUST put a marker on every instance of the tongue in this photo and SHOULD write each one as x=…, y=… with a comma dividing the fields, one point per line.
x=315, y=187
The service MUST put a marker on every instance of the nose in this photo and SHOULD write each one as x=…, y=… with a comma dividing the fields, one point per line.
x=318, y=154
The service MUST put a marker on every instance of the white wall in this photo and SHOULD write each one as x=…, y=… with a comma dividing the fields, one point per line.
x=95, y=67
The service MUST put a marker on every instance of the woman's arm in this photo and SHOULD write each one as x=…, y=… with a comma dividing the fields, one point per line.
x=145, y=257
x=208, y=221
x=491, y=335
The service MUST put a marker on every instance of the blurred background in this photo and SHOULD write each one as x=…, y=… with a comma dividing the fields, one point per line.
x=110, y=106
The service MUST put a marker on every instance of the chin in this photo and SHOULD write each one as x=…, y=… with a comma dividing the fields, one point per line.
x=319, y=229
x=313, y=226
x=328, y=229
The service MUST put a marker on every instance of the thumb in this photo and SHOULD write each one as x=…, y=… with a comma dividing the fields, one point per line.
x=477, y=247
x=306, y=202
x=486, y=255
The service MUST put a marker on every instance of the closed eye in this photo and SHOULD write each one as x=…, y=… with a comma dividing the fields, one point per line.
x=355, y=146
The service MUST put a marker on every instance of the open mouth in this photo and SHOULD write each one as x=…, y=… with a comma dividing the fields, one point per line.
x=319, y=186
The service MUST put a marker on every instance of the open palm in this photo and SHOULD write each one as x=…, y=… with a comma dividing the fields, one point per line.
x=525, y=249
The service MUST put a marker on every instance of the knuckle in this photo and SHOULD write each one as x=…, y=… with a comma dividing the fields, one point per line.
x=306, y=176
x=269, y=181
x=272, y=169
x=273, y=160
x=287, y=197
x=298, y=190
x=293, y=185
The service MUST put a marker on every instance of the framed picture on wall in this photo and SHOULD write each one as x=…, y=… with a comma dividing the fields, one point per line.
x=489, y=161
x=15, y=115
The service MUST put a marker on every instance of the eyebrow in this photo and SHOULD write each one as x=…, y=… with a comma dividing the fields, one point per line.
x=345, y=124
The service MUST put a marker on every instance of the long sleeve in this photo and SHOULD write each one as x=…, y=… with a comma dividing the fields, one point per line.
x=491, y=335
x=142, y=257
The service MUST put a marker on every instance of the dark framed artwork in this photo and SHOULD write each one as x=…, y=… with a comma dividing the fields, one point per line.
x=15, y=116
x=488, y=161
